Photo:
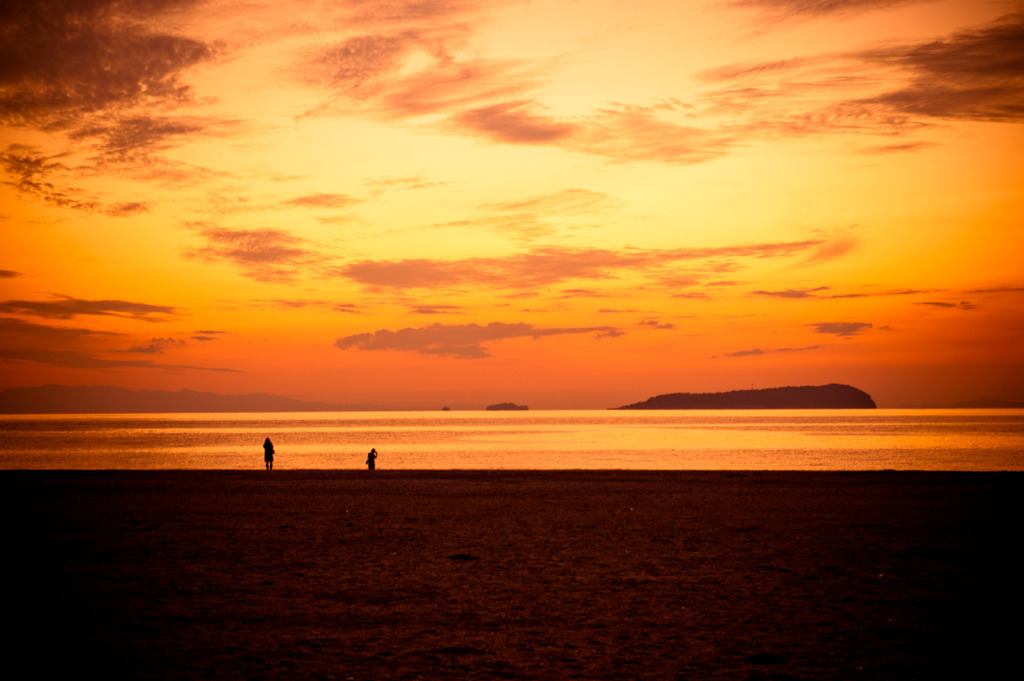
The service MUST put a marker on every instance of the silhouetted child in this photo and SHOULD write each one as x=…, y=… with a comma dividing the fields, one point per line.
x=371, y=458
x=268, y=453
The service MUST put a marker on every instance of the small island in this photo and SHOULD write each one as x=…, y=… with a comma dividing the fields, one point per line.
x=832, y=396
x=507, y=406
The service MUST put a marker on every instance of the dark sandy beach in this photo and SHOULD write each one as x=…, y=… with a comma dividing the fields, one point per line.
x=513, y=575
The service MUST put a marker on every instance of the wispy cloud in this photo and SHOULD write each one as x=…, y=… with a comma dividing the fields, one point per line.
x=379, y=186
x=1002, y=289
x=540, y=216
x=514, y=122
x=31, y=172
x=970, y=75
x=436, y=309
x=268, y=255
x=547, y=266
x=622, y=133
x=10, y=274
x=780, y=10
x=34, y=176
x=962, y=305
x=662, y=132
x=67, y=307
x=132, y=139
x=898, y=292
x=463, y=341
x=755, y=352
x=843, y=329
x=323, y=201
x=792, y=293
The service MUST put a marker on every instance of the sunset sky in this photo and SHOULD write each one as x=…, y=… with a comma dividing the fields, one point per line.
x=556, y=203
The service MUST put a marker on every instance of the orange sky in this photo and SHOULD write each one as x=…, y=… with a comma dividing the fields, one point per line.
x=560, y=203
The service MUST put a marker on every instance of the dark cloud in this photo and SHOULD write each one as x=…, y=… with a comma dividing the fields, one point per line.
x=962, y=305
x=350, y=308
x=548, y=266
x=71, y=347
x=132, y=140
x=29, y=172
x=60, y=59
x=32, y=176
x=268, y=255
x=66, y=307
x=976, y=74
x=20, y=332
x=656, y=324
x=323, y=201
x=10, y=274
x=792, y=293
x=72, y=359
x=841, y=328
x=464, y=341
x=758, y=351
x=121, y=210
x=155, y=346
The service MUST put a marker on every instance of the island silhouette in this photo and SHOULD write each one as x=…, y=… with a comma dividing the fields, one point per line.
x=832, y=396
x=507, y=406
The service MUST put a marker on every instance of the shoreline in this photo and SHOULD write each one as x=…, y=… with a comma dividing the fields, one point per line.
x=514, y=574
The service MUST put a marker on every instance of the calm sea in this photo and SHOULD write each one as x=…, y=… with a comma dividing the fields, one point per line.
x=900, y=439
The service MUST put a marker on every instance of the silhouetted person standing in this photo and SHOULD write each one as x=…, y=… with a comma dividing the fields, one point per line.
x=371, y=459
x=268, y=453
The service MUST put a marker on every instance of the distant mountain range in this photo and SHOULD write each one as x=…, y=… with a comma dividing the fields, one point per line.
x=832, y=396
x=988, y=404
x=60, y=399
